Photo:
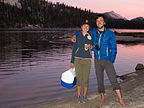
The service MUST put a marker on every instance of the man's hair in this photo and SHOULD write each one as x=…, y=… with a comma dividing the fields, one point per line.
x=100, y=15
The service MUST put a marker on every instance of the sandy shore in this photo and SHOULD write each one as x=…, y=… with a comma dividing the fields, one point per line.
x=132, y=91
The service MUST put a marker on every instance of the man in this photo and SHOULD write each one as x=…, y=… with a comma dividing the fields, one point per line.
x=105, y=53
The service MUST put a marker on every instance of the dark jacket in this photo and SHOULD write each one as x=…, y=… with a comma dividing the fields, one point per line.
x=78, y=49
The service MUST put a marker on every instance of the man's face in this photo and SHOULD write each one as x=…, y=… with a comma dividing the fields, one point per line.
x=100, y=22
x=85, y=27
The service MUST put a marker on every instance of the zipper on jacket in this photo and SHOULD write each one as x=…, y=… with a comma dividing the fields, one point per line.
x=77, y=50
x=99, y=45
x=107, y=51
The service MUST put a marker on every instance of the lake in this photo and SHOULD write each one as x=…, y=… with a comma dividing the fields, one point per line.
x=128, y=30
x=31, y=64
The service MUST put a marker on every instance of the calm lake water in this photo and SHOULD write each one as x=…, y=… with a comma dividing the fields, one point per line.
x=31, y=65
x=128, y=30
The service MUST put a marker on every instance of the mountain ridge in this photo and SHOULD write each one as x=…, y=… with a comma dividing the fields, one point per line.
x=114, y=15
x=13, y=3
x=137, y=19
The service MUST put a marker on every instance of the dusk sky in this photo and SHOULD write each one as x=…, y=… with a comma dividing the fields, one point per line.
x=126, y=8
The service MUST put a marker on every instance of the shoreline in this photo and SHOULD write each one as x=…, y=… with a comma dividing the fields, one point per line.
x=36, y=29
x=122, y=38
x=132, y=92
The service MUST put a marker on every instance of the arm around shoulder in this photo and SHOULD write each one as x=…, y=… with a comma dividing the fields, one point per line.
x=73, y=39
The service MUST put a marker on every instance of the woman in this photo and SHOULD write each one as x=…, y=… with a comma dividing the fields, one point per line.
x=81, y=60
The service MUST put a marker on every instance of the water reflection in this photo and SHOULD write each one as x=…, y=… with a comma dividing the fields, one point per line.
x=31, y=65
x=16, y=49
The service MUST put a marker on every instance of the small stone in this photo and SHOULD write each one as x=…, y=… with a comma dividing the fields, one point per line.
x=123, y=77
x=139, y=67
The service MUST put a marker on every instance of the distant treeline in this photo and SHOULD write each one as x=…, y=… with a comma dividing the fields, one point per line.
x=125, y=24
x=43, y=14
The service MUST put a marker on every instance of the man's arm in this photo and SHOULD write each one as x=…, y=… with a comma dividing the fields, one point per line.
x=73, y=39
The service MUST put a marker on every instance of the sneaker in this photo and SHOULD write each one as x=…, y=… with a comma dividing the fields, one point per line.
x=84, y=99
x=79, y=99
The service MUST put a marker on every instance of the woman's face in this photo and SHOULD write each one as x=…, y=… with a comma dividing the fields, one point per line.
x=85, y=28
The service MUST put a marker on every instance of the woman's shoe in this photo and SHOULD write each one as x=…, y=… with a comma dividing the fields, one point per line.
x=84, y=99
x=79, y=99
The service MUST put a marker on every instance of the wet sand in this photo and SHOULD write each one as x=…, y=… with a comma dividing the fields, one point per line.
x=132, y=89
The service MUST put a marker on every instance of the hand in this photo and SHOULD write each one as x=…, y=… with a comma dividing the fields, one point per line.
x=91, y=46
x=73, y=39
x=88, y=46
x=71, y=65
x=92, y=52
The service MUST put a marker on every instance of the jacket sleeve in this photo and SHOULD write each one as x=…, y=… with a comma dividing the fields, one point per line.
x=73, y=52
x=113, y=47
x=91, y=30
x=77, y=33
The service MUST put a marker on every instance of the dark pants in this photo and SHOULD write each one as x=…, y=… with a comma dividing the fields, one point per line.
x=100, y=66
